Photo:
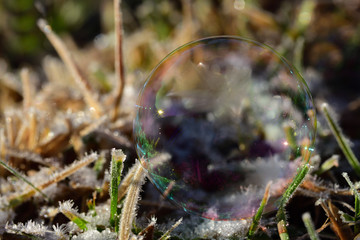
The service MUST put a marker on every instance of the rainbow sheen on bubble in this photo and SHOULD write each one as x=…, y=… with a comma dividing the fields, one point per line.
x=217, y=120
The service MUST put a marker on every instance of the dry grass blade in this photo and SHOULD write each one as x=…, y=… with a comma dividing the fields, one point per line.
x=343, y=231
x=56, y=143
x=73, y=68
x=119, y=65
x=123, y=188
x=167, y=234
x=129, y=207
x=27, y=88
x=33, y=134
x=9, y=127
x=2, y=142
x=18, y=198
x=148, y=232
x=317, y=188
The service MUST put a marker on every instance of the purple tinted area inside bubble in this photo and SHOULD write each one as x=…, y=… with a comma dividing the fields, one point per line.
x=217, y=120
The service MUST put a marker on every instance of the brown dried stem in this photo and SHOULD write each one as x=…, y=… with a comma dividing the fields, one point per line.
x=119, y=64
x=342, y=230
x=73, y=68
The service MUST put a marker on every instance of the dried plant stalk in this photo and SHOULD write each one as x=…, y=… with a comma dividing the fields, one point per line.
x=129, y=208
x=9, y=130
x=21, y=134
x=2, y=142
x=127, y=181
x=73, y=68
x=33, y=131
x=119, y=65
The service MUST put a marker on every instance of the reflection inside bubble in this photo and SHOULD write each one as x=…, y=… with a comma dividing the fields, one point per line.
x=220, y=118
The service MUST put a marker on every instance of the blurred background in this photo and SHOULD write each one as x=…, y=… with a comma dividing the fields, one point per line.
x=320, y=37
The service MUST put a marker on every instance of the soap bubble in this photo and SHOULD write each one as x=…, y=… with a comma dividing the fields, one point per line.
x=220, y=118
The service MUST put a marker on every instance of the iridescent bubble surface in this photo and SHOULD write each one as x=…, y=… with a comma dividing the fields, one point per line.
x=217, y=120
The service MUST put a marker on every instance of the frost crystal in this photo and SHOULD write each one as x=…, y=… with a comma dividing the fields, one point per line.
x=96, y=235
x=204, y=228
x=67, y=206
x=31, y=228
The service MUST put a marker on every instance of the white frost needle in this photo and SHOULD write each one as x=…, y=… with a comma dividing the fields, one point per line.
x=129, y=207
x=29, y=228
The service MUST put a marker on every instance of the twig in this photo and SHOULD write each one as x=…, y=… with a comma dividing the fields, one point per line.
x=341, y=230
x=73, y=68
x=119, y=63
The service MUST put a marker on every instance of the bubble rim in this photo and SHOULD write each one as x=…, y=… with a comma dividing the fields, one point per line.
x=223, y=37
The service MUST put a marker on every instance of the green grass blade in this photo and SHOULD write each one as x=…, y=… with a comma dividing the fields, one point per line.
x=281, y=216
x=357, y=202
x=306, y=217
x=258, y=215
x=335, y=128
x=283, y=230
x=117, y=159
